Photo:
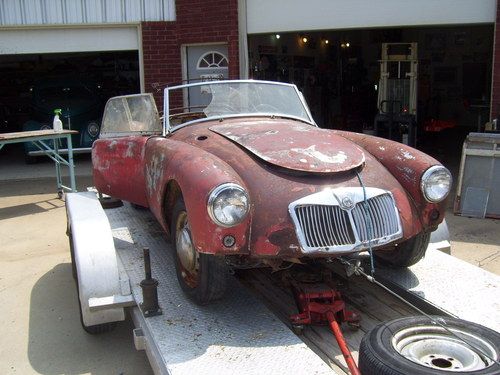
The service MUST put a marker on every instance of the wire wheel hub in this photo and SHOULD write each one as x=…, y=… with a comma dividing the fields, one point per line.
x=186, y=253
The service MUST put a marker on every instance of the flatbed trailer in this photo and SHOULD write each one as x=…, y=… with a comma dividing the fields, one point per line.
x=248, y=332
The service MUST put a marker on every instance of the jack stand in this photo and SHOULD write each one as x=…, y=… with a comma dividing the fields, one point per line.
x=321, y=305
x=149, y=305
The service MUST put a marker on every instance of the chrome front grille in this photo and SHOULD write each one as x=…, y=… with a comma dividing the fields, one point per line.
x=325, y=225
x=381, y=215
x=337, y=220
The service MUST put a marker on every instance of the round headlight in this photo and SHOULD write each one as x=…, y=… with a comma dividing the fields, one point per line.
x=228, y=204
x=436, y=183
x=93, y=129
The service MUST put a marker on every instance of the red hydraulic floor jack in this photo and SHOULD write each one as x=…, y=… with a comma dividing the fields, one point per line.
x=319, y=304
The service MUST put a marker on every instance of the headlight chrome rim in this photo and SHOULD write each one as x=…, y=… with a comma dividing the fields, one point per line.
x=214, y=194
x=425, y=179
x=94, y=125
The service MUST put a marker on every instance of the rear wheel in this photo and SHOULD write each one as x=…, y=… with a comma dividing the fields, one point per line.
x=405, y=254
x=202, y=277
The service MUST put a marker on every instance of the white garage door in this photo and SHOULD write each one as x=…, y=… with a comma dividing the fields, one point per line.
x=68, y=39
x=264, y=16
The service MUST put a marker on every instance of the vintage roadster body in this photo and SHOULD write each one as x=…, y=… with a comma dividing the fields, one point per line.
x=239, y=176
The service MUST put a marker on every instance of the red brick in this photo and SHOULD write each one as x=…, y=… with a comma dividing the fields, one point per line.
x=198, y=21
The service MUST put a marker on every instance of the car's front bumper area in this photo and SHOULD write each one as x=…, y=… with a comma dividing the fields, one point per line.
x=343, y=220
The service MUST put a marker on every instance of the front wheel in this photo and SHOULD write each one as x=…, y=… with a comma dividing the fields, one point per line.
x=202, y=277
x=417, y=345
x=405, y=254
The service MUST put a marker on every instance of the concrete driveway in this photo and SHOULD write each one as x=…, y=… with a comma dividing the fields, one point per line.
x=41, y=332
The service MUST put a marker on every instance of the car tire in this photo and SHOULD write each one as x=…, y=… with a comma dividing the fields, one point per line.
x=95, y=329
x=206, y=280
x=434, y=351
x=405, y=254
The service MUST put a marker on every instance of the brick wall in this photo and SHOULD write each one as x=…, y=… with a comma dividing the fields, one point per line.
x=198, y=21
x=495, y=84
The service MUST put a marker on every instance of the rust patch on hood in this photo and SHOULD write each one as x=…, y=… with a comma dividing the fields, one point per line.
x=294, y=145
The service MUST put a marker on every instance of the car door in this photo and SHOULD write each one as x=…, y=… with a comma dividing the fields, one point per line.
x=118, y=155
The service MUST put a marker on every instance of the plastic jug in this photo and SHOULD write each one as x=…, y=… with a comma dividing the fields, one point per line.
x=57, y=123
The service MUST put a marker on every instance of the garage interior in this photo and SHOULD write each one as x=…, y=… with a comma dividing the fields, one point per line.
x=106, y=74
x=338, y=71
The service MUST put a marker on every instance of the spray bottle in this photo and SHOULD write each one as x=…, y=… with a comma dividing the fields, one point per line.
x=57, y=123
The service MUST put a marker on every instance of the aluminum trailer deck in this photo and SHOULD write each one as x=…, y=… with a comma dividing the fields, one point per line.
x=248, y=332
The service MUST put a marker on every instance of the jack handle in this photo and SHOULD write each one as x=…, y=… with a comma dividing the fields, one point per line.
x=334, y=326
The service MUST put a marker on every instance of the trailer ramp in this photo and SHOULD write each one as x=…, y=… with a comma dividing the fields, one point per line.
x=238, y=335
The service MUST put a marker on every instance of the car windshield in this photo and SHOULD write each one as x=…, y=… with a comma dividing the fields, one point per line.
x=219, y=99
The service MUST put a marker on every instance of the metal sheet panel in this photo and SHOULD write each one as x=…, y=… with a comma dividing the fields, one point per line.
x=478, y=192
x=113, y=11
x=33, y=13
x=94, y=10
x=53, y=10
x=76, y=12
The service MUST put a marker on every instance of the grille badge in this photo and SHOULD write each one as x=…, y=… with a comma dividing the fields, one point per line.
x=346, y=203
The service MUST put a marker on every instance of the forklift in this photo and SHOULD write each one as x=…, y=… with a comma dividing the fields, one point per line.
x=397, y=93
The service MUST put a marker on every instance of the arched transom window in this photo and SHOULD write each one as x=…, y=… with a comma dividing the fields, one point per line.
x=212, y=60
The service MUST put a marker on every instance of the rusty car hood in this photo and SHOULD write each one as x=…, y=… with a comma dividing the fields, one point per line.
x=294, y=145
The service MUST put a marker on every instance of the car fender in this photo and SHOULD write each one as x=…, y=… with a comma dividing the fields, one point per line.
x=197, y=173
x=407, y=165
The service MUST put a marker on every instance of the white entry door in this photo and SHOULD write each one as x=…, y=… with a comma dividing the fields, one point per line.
x=205, y=63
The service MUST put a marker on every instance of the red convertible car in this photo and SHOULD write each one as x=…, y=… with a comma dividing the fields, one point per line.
x=239, y=176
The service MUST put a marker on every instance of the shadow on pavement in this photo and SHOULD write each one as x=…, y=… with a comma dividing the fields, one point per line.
x=45, y=185
x=30, y=208
x=57, y=343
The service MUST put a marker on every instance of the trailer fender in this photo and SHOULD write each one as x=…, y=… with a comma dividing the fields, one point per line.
x=94, y=257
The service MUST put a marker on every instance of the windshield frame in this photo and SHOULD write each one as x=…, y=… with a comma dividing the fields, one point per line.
x=167, y=128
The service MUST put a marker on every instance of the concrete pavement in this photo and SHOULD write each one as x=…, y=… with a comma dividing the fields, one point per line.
x=41, y=332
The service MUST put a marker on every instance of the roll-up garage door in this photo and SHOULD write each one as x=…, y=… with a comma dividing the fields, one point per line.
x=67, y=39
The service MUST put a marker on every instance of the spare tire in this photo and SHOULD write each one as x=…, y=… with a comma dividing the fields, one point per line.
x=419, y=346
